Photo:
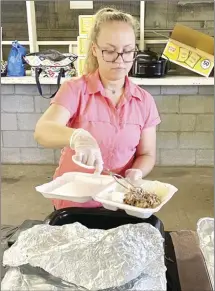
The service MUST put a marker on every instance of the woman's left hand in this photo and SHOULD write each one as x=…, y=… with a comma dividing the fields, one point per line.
x=133, y=174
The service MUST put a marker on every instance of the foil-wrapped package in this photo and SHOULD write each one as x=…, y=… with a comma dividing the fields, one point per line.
x=130, y=257
x=205, y=231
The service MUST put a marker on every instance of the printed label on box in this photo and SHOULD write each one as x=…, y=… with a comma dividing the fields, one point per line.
x=81, y=63
x=189, y=58
x=183, y=54
x=82, y=45
x=85, y=24
x=192, y=60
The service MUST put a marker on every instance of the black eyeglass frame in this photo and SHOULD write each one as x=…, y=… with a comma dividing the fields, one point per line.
x=119, y=54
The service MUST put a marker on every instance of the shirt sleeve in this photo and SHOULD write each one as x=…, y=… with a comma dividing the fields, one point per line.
x=152, y=117
x=66, y=97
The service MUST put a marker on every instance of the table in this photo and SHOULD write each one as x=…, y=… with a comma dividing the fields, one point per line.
x=186, y=269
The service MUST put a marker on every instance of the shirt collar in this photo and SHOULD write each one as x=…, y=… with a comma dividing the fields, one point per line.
x=94, y=85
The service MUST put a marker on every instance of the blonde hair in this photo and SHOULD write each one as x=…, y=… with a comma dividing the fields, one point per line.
x=102, y=16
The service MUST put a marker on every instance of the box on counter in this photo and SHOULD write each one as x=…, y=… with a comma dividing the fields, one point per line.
x=85, y=24
x=83, y=43
x=190, y=49
x=80, y=65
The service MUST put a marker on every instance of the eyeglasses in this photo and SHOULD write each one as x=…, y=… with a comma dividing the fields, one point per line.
x=111, y=56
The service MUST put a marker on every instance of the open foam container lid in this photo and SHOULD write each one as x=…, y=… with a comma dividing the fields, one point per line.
x=83, y=187
x=75, y=186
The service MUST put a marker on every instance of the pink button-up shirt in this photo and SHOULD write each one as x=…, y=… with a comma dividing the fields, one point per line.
x=117, y=129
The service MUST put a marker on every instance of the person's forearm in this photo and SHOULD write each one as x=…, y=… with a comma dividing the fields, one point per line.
x=145, y=163
x=52, y=135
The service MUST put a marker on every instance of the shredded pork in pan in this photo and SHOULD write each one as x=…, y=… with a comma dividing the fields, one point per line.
x=140, y=198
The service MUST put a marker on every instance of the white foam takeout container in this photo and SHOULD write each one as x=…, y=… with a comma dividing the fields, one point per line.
x=84, y=187
x=112, y=198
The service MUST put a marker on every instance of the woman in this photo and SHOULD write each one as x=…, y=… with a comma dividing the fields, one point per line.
x=102, y=117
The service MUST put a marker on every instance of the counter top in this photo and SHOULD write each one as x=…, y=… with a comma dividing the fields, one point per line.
x=166, y=81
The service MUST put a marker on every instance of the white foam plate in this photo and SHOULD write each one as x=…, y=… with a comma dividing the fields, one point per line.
x=74, y=186
x=83, y=187
x=112, y=198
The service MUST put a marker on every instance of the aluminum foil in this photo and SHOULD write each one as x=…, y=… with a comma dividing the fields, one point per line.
x=130, y=257
x=205, y=231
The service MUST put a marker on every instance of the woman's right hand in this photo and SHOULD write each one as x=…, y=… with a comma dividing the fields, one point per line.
x=87, y=150
x=51, y=132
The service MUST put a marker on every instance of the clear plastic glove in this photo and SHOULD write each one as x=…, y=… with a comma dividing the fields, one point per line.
x=134, y=176
x=87, y=150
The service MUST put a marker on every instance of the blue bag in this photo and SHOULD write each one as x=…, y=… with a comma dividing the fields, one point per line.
x=15, y=65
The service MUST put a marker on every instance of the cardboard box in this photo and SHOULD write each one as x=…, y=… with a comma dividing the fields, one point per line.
x=83, y=43
x=85, y=24
x=80, y=65
x=190, y=49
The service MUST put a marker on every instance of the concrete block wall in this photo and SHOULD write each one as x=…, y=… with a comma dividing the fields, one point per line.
x=184, y=138
x=56, y=21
